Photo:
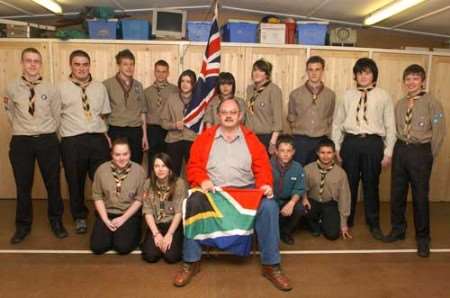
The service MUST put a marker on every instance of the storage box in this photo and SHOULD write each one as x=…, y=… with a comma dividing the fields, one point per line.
x=135, y=29
x=102, y=29
x=272, y=33
x=240, y=31
x=312, y=33
x=198, y=31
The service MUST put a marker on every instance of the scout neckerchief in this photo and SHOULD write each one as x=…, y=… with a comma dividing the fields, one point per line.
x=283, y=169
x=159, y=86
x=323, y=175
x=315, y=91
x=120, y=175
x=363, y=102
x=32, y=98
x=126, y=86
x=161, y=193
x=185, y=101
x=256, y=92
x=84, y=97
x=411, y=98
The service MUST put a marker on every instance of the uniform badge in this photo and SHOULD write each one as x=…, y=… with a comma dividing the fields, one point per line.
x=262, y=104
x=294, y=178
x=44, y=97
x=131, y=195
x=437, y=117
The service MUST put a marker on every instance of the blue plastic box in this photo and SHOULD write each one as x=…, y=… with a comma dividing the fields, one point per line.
x=102, y=29
x=240, y=32
x=312, y=33
x=135, y=29
x=198, y=31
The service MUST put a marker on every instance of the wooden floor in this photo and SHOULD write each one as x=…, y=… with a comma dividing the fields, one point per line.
x=313, y=271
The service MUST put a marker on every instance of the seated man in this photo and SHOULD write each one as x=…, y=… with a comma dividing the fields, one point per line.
x=289, y=182
x=328, y=194
x=231, y=155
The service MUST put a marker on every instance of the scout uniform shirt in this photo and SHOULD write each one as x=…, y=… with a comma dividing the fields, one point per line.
x=288, y=181
x=75, y=120
x=157, y=204
x=45, y=115
x=126, y=107
x=265, y=113
x=336, y=188
x=118, y=199
x=172, y=112
x=155, y=100
x=211, y=111
x=309, y=117
x=427, y=123
x=380, y=117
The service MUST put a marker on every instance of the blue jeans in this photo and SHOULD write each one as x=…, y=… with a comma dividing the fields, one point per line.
x=267, y=230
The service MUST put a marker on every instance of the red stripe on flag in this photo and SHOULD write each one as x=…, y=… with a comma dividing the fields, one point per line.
x=247, y=198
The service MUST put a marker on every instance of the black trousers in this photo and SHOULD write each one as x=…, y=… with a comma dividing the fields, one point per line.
x=265, y=140
x=124, y=240
x=411, y=164
x=81, y=155
x=324, y=217
x=362, y=158
x=151, y=253
x=23, y=153
x=134, y=137
x=156, y=142
x=289, y=223
x=179, y=151
x=305, y=149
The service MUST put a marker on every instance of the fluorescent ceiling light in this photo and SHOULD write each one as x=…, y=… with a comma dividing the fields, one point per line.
x=51, y=5
x=390, y=10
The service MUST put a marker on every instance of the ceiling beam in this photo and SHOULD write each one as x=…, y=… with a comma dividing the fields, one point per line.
x=317, y=8
x=118, y=5
x=427, y=15
x=27, y=12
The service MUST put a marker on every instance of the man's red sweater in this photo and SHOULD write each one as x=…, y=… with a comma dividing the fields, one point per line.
x=196, y=168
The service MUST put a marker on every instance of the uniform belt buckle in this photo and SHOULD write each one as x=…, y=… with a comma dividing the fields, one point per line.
x=363, y=135
x=35, y=136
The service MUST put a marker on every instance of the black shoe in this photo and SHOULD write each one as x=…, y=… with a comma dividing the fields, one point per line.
x=59, y=230
x=19, y=235
x=287, y=238
x=376, y=233
x=394, y=236
x=423, y=248
x=80, y=226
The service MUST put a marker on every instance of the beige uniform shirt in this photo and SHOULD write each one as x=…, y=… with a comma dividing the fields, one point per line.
x=427, y=124
x=164, y=212
x=104, y=188
x=306, y=118
x=336, y=188
x=46, y=117
x=154, y=108
x=125, y=112
x=380, y=115
x=73, y=119
x=268, y=110
x=211, y=116
x=171, y=113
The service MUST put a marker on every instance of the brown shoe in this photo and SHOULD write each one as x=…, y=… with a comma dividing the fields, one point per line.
x=183, y=277
x=276, y=276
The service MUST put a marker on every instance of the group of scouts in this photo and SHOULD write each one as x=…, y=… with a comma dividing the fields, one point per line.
x=101, y=130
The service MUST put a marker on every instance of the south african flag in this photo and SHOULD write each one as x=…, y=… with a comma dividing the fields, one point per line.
x=223, y=219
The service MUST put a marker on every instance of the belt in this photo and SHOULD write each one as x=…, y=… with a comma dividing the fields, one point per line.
x=361, y=135
x=35, y=136
x=401, y=142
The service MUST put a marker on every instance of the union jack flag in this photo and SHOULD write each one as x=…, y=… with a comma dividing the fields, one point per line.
x=207, y=79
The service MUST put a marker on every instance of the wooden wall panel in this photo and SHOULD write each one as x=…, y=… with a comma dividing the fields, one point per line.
x=390, y=78
x=439, y=86
x=288, y=73
x=9, y=70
